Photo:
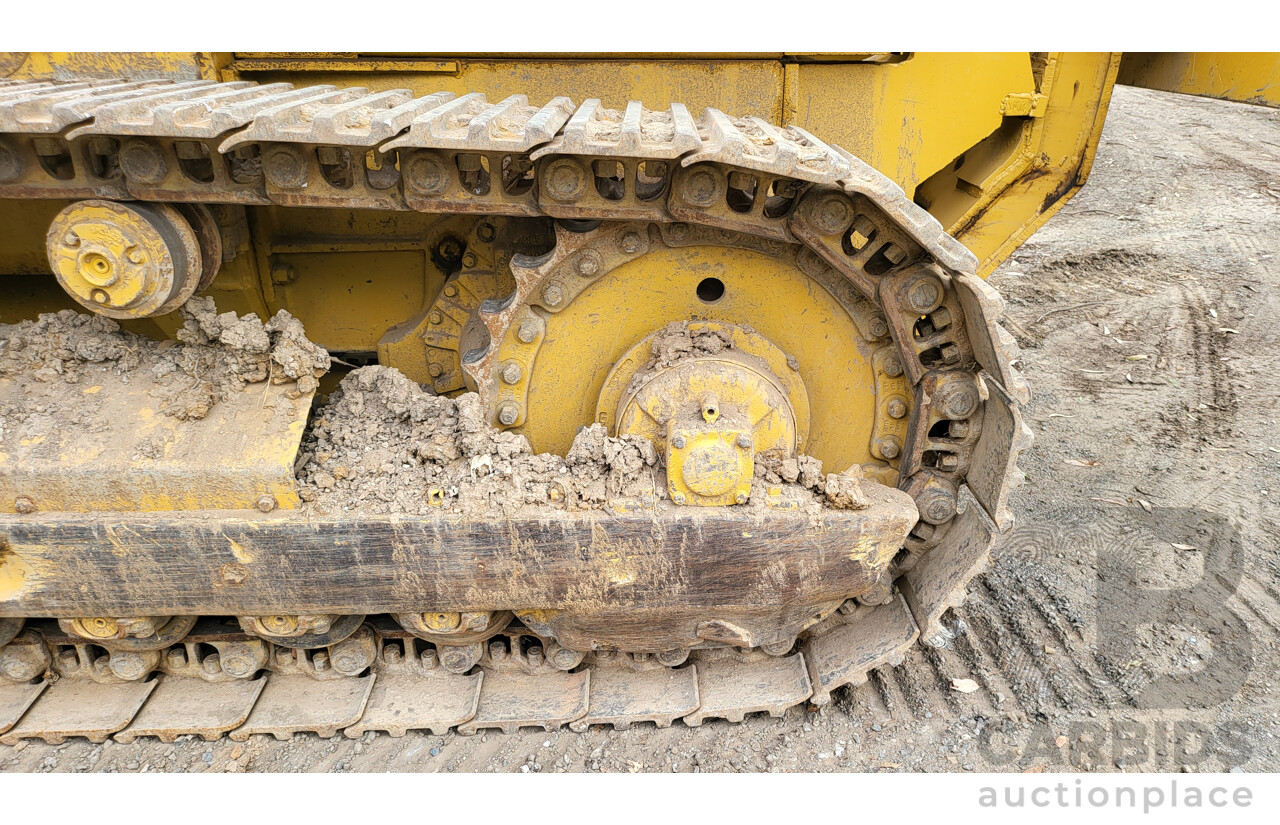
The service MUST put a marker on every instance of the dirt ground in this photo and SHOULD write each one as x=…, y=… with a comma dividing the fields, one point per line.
x=1148, y=314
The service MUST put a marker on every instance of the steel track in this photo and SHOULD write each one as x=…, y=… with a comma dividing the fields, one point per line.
x=716, y=179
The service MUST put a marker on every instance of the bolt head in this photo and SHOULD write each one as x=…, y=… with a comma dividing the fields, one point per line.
x=426, y=175
x=678, y=442
x=24, y=505
x=486, y=232
x=435, y=369
x=892, y=367
x=701, y=187
x=70, y=239
x=511, y=372
x=528, y=331
x=588, y=265
x=924, y=295
x=678, y=498
x=896, y=407
x=879, y=328
x=435, y=317
x=832, y=214
x=889, y=447
x=678, y=231
x=631, y=242
x=509, y=413
x=744, y=441
x=265, y=503
x=553, y=295
x=450, y=291
x=565, y=180
x=741, y=498
x=960, y=402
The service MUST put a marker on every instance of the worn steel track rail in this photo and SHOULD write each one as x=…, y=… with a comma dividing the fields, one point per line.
x=713, y=180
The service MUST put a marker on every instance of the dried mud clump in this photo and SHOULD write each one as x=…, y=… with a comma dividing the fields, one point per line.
x=213, y=356
x=224, y=352
x=382, y=444
x=841, y=491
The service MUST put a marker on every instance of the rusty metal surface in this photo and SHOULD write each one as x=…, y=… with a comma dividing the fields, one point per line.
x=623, y=695
x=511, y=699
x=731, y=685
x=15, y=699
x=183, y=705
x=410, y=698
x=845, y=654
x=80, y=707
x=291, y=704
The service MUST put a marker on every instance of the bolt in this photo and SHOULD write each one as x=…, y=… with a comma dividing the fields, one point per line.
x=958, y=429
x=177, y=658
x=678, y=498
x=435, y=370
x=896, y=407
x=24, y=505
x=511, y=372
x=435, y=317
x=486, y=232
x=70, y=239
x=831, y=215
x=534, y=655
x=588, y=265
x=100, y=296
x=889, y=447
x=426, y=175
x=936, y=506
x=134, y=254
x=879, y=328
x=948, y=462
x=497, y=650
x=553, y=295
x=564, y=658
x=744, y=441
x=950, y=353
x=211, y=664
x=565, y=180
x=509, y=413
x=960, y=401
x=892, y=366
x=701, y=187
x=924, y=295
x=450, y=291
x=678, y=231
x=320, y=660
x=265, y=503
x=528, y=331
x=128, y=665
x=349, y=659
x=238, y=660
x=631, y=242
x=286, y=168
x=469, y=260
x=678, y=442
x=741, y=498
x=428, y=658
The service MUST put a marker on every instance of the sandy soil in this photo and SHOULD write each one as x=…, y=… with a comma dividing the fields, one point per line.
x=1131, y=620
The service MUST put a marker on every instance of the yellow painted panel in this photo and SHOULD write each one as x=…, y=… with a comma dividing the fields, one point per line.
x=1250, y=77
x=909, y=119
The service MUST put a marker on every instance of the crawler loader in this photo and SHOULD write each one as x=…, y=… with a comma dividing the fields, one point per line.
x=383, y=392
